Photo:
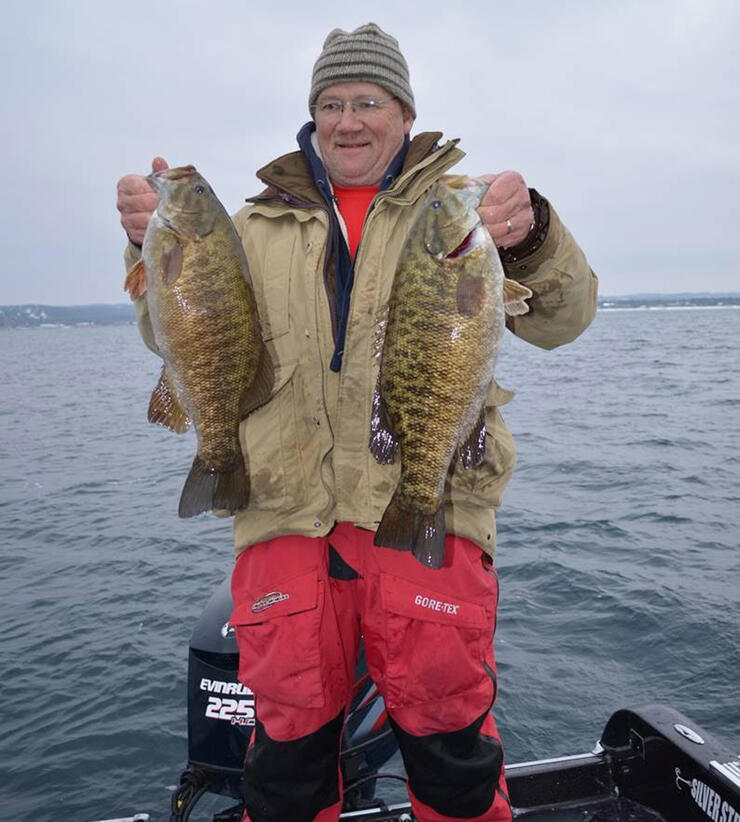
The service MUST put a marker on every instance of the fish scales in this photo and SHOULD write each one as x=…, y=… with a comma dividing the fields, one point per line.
x=178, y=317
x=445, y=322
x=204, y=318
x=427, y=391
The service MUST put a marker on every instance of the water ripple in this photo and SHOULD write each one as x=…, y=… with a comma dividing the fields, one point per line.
x=617, y=553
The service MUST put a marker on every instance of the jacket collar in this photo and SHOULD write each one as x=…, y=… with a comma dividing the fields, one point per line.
x=292, y=178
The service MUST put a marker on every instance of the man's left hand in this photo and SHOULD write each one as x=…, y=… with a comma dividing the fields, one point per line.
x=506, y=209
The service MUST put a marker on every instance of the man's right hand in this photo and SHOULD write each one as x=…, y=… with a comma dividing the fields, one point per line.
x=137, y=202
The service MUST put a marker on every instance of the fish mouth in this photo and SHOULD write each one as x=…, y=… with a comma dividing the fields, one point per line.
x=154, y=181
x=474, y=187
x=177, y=173
x=456, y=181
x=465, y=247
x=157, y=179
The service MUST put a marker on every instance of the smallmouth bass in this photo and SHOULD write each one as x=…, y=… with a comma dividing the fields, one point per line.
x=203, y=312
x=445, y=323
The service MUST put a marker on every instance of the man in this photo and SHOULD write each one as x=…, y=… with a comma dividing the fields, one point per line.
x=322, y=241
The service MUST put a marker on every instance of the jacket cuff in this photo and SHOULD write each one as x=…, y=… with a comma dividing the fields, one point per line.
x=536, y=237
x=131, y=255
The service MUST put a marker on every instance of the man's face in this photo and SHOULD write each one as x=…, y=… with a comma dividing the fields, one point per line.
x=358, y=147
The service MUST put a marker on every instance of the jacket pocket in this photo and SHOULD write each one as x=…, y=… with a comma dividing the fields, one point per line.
x=269, y=437
x=279, y=641
x=434, y=644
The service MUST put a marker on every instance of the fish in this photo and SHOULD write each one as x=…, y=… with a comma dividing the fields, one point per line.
x=445, y=322
x=203, y=312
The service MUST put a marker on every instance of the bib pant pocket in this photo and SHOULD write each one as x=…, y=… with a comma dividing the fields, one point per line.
x=434, y=644
x=278, y=633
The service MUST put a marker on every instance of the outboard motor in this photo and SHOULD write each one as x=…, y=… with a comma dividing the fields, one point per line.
x=221, y=715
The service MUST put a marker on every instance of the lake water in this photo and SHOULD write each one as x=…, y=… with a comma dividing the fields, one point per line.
x=618, y=553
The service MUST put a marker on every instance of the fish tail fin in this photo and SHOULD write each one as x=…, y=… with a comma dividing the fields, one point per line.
x=429, y=547
x=405, y=530
x=208, y=489
x=232, y=487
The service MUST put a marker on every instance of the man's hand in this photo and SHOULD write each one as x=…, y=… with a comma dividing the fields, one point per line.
x=506, y=209
x=137, y=202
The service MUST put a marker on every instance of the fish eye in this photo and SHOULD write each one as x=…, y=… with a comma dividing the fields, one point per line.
x=436, y=204
x=199, y=189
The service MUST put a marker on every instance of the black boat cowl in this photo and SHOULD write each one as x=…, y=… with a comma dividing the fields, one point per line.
x=673, y=765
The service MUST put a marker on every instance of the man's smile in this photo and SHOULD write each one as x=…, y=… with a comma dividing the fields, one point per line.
x=357, y=146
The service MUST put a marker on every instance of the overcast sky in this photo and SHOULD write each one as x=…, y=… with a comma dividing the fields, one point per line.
x=623, y=114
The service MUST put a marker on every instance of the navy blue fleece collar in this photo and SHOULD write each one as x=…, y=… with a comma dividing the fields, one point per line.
x=343, y=266
x=319, y=171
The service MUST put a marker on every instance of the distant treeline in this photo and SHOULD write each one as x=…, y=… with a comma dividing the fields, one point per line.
x=32, y=315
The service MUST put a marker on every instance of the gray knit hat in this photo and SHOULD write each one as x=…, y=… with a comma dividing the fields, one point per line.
x=365, y=55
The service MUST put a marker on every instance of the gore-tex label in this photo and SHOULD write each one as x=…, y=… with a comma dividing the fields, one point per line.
x=436, y=605
x=413, y=600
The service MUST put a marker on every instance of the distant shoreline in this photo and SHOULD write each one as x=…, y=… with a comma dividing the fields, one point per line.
x=682, y=300
x=76, y=316
x=708, y=307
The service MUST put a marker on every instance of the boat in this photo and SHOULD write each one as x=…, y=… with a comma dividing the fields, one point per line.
x=650, y=763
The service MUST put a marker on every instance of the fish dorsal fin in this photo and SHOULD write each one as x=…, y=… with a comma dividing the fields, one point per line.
x=473, y=448
x=514, y=296
x=135, y=282
x=383, y=442
x=165, y=408
x=260, y=390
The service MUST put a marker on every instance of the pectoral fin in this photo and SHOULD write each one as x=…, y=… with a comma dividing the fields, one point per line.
x=165, y=408
x=170, y=263
x=470, y=294
x=135, y=282
x=514, y=296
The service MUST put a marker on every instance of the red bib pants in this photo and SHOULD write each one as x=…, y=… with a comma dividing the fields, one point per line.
x=301, y=605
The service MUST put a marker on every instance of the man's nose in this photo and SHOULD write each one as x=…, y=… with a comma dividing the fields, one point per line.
x=348, y=119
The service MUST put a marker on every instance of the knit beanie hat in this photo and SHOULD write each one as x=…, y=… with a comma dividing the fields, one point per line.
x=365, y=55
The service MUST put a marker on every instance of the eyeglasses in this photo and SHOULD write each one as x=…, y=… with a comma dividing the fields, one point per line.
x=364, y=108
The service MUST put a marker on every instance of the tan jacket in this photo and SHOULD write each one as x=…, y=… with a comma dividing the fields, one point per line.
x=307, y=449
